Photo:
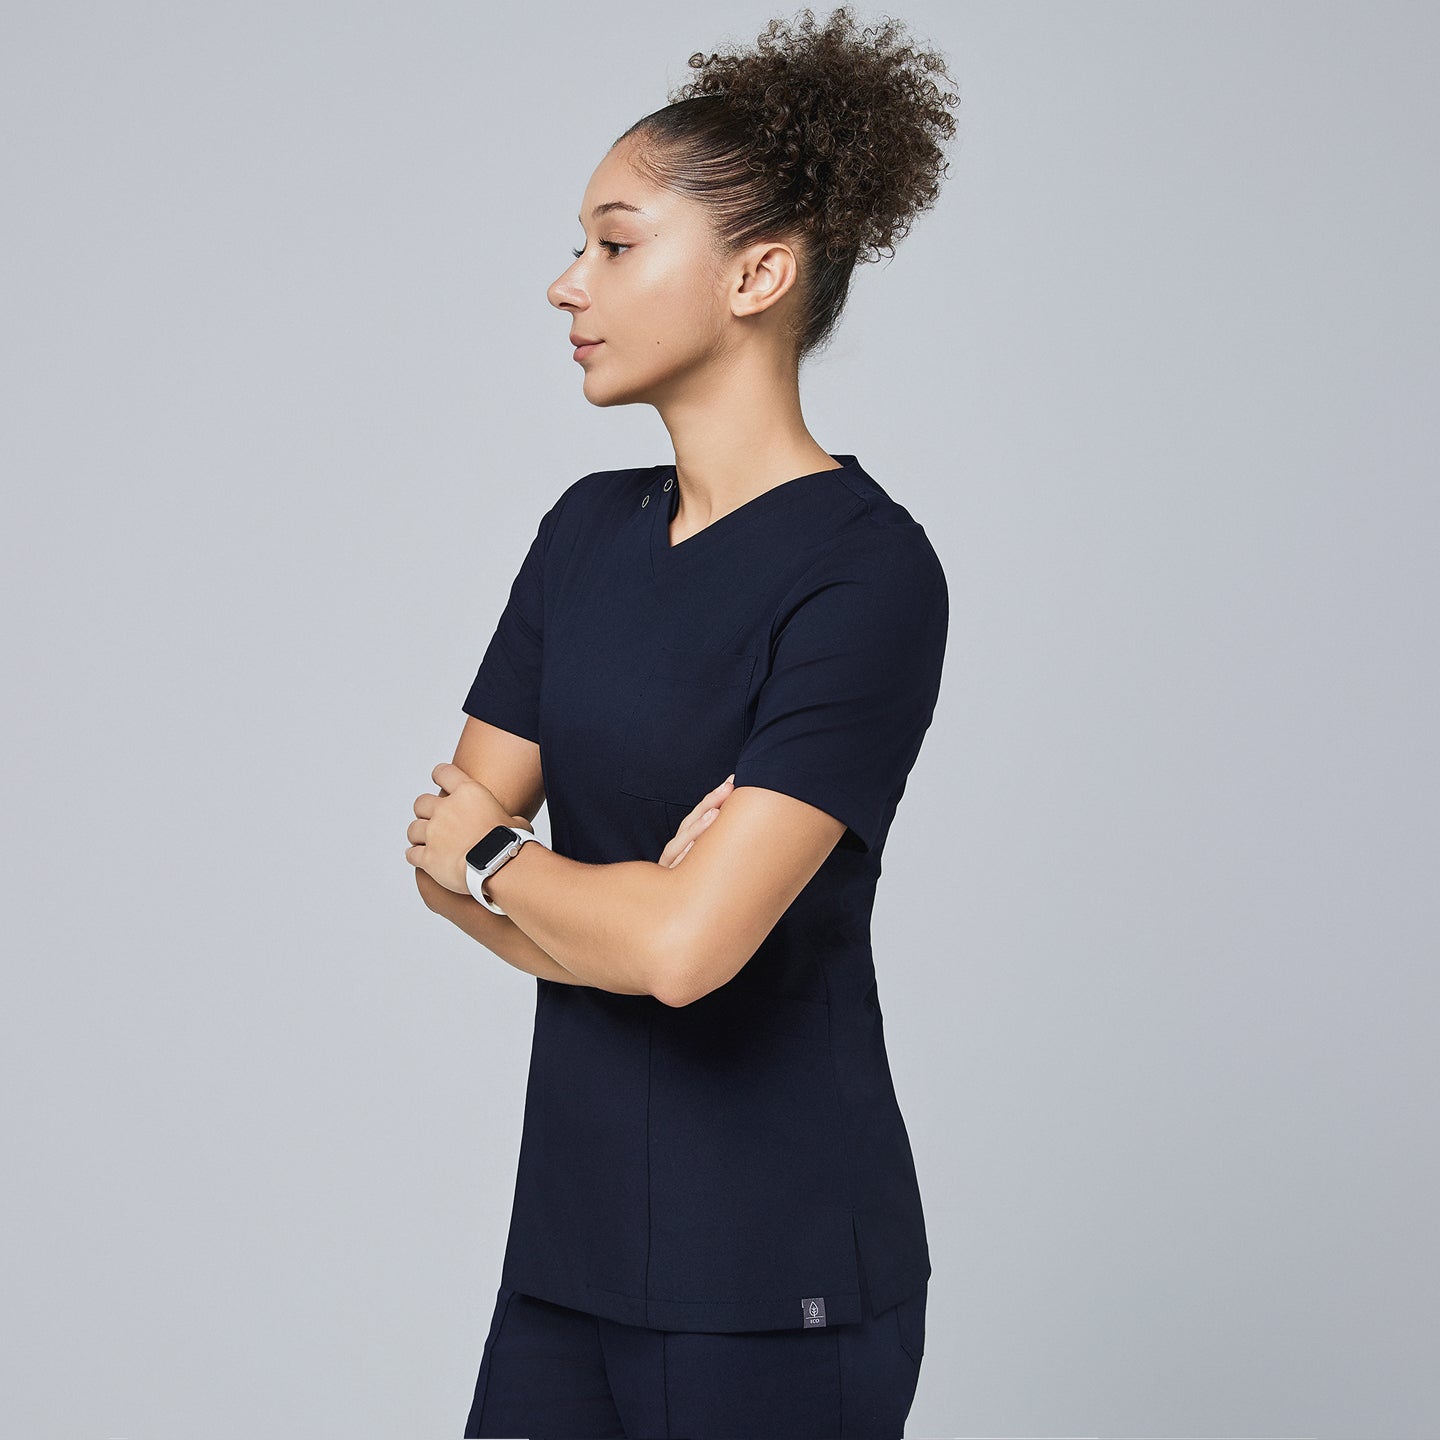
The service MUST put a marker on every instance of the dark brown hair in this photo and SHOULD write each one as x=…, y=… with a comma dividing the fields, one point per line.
x=826, y=137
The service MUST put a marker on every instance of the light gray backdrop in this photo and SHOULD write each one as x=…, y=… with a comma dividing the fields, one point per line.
x=1157, y=936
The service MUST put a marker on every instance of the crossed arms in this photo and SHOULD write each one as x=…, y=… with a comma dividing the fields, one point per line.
x=636, y=927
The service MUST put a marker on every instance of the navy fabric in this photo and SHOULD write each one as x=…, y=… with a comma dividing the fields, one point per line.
x=547, y=1370
x=714, y=1166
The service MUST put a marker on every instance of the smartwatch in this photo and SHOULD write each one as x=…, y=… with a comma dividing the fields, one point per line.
x=485, y=857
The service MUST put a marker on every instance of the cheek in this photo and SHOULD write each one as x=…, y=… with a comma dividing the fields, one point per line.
x=681, y=312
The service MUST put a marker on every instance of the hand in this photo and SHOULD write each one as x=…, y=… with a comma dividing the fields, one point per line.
x=695, y=823
x=450, y=823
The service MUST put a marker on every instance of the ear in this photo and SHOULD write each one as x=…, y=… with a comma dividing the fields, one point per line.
x=767, y=272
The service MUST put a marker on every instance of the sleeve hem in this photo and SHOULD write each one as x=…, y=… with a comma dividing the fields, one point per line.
x=502, y=718
x=813, y=790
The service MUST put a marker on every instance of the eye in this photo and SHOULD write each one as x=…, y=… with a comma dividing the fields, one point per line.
x=613, y=246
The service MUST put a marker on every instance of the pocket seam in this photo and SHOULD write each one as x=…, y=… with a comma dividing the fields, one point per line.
x=727, y=672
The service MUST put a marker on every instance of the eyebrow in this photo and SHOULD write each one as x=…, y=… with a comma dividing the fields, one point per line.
x=608, y=206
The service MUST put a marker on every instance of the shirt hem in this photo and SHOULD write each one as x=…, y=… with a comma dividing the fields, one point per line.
x=781, y=1313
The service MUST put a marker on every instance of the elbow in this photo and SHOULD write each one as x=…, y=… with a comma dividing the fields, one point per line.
x=670, y=986
x=685, y=969
x=677, y=999
x=674, y=977
x=691, y=951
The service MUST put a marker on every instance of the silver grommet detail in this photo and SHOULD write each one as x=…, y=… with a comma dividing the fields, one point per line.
x=670, y=482
x=644, y=502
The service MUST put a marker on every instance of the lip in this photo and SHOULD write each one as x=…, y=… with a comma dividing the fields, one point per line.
x=584, y=347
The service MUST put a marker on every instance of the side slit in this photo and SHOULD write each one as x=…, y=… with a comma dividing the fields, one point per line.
x=860, y=1269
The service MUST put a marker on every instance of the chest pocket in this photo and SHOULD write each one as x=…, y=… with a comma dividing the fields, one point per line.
x=686, y=726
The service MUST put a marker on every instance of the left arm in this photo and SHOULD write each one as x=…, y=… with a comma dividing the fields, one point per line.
x=613, y=925
x=635, y=927
x=676, y=933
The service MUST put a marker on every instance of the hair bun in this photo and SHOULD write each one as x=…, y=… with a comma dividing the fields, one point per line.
x=847, y=124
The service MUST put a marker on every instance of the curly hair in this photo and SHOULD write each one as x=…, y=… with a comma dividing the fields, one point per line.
x=829, y=136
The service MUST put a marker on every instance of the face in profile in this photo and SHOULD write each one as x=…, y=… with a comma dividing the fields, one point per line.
x=647, y=285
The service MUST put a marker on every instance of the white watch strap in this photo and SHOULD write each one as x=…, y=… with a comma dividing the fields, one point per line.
x=475, y=879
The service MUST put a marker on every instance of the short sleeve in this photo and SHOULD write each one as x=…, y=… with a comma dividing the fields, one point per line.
x=855, y=673
x=506, y=688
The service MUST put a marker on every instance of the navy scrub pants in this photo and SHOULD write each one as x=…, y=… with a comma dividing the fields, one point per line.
x=551, y=1373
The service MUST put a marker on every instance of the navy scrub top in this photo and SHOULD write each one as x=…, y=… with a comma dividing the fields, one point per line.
x=729, y=1164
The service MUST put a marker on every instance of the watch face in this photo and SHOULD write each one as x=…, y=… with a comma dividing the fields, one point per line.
x=484, y=851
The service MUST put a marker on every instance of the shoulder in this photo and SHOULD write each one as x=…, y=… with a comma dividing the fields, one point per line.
x=878, y=543
x=599, y=490
x=594, y=497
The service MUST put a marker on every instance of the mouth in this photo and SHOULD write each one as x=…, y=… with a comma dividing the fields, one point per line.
x=584, y=347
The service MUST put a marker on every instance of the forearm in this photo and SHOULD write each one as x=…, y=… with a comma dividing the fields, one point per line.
x=499, y=934
x=607, y=924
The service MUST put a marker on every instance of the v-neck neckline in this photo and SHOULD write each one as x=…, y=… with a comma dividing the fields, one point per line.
x=663, y=554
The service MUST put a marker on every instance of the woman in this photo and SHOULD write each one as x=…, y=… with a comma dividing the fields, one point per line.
x=730, y=662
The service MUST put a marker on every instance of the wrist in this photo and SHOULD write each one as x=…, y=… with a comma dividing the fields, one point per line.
x=489, y=886
x=496, y=850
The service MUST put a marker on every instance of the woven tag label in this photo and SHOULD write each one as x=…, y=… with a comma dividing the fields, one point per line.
x=812, y=1312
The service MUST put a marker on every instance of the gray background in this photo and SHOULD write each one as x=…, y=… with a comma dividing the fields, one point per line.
x=283, y=403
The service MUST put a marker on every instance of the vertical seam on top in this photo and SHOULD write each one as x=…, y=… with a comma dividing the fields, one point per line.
x=840, y=1120
x=649, y=1085
x=665, y=1379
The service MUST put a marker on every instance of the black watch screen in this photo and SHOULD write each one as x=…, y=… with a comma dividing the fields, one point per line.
x=484, y=851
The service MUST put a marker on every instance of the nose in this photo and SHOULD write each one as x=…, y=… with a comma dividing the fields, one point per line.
x=566, y=291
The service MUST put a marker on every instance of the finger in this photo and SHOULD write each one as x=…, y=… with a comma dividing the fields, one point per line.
x=690, y=833
x=425, y=805
x=714, y=797
x=448, y=775
x=689, y=827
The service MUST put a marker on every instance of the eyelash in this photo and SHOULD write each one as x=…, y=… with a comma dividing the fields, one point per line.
x=613, y=246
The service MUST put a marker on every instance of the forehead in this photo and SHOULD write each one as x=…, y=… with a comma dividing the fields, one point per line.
x=619, y=191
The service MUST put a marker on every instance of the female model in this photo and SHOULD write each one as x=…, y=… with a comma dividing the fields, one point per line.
x=729, y=661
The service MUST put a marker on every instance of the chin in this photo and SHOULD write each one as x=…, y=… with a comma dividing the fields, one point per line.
x=602, y=399
x=604, y=394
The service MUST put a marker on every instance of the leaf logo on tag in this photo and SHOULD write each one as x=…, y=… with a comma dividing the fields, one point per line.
x=812, y=1312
